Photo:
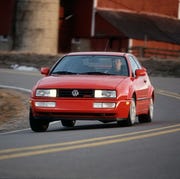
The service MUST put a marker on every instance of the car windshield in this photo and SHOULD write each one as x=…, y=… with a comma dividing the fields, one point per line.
x=91, y=65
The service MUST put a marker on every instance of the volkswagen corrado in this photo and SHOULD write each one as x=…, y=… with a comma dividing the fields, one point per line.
x=103, y=86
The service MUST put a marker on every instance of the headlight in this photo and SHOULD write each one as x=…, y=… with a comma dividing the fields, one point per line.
x=105, y=94
x=46, y=92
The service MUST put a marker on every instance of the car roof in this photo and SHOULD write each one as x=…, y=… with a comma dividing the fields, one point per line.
x=99, y=53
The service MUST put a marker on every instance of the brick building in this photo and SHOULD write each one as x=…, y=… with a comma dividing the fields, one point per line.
x=50, y=26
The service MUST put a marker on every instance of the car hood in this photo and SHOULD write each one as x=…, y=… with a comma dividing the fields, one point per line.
x=81, y=81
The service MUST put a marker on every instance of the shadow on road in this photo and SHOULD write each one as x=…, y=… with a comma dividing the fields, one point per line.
x=89, y=127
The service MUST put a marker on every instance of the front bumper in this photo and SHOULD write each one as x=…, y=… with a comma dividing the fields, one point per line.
x=80, y=109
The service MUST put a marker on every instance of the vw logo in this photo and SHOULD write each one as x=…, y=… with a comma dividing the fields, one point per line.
x=75, y=93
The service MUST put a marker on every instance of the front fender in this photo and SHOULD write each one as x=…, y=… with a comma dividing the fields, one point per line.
x=151, y=93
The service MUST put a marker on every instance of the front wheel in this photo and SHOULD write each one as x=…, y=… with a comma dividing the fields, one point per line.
x=149, y=116
x=131, y=117
x=37, y=125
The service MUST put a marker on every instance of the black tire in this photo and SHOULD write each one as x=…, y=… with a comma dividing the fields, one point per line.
x=149, y=116
x=68, y=123
x=131, y=117
x=37, y=125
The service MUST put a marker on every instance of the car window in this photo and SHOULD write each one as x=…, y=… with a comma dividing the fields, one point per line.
x=90, y=64
x=134, y=64
x=137, y=62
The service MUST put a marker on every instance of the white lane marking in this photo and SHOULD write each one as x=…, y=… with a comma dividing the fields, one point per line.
x=16, y=88
x=11, y=132
x=26, y=129
x=11, y=71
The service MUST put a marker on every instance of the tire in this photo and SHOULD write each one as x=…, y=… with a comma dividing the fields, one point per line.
x=37, y=126
x=149, y=116
x=68, y=123
x=131, y=117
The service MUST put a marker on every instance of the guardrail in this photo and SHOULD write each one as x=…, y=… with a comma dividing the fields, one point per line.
x=155, y=52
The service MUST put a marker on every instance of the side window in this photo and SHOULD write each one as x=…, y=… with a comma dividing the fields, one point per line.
x=134, y=64
x=137, y=62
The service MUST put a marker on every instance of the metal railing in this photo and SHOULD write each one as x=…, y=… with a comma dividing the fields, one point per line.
x=155, y=52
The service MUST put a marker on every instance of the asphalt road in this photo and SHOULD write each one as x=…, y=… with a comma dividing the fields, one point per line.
x=92, y=150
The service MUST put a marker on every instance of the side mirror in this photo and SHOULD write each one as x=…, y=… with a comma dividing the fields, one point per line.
x=45, y=71
x=140, y=72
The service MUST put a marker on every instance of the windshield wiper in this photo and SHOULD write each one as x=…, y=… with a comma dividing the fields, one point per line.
x=94, y=73
x=63, y=73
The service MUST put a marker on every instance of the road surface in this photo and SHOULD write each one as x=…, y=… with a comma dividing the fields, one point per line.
x=93, y=150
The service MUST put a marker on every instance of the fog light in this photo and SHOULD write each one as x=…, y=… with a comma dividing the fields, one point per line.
x=45, y=104
x=104, y=105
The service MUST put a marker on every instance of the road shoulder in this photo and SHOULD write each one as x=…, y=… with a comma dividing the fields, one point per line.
x=14, y=110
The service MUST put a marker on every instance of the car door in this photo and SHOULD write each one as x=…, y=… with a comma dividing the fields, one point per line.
x=140, y=85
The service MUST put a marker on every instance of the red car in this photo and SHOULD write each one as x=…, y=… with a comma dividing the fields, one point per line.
x=104, y=86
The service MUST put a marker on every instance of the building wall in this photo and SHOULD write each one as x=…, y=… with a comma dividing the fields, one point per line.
x=37, y=26
x=107, y=37
x=83, y=16
x=7, y=9
x=103, y=28
x=75, y=25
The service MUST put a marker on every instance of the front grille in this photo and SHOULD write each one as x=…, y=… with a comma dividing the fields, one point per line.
x=76, y=93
